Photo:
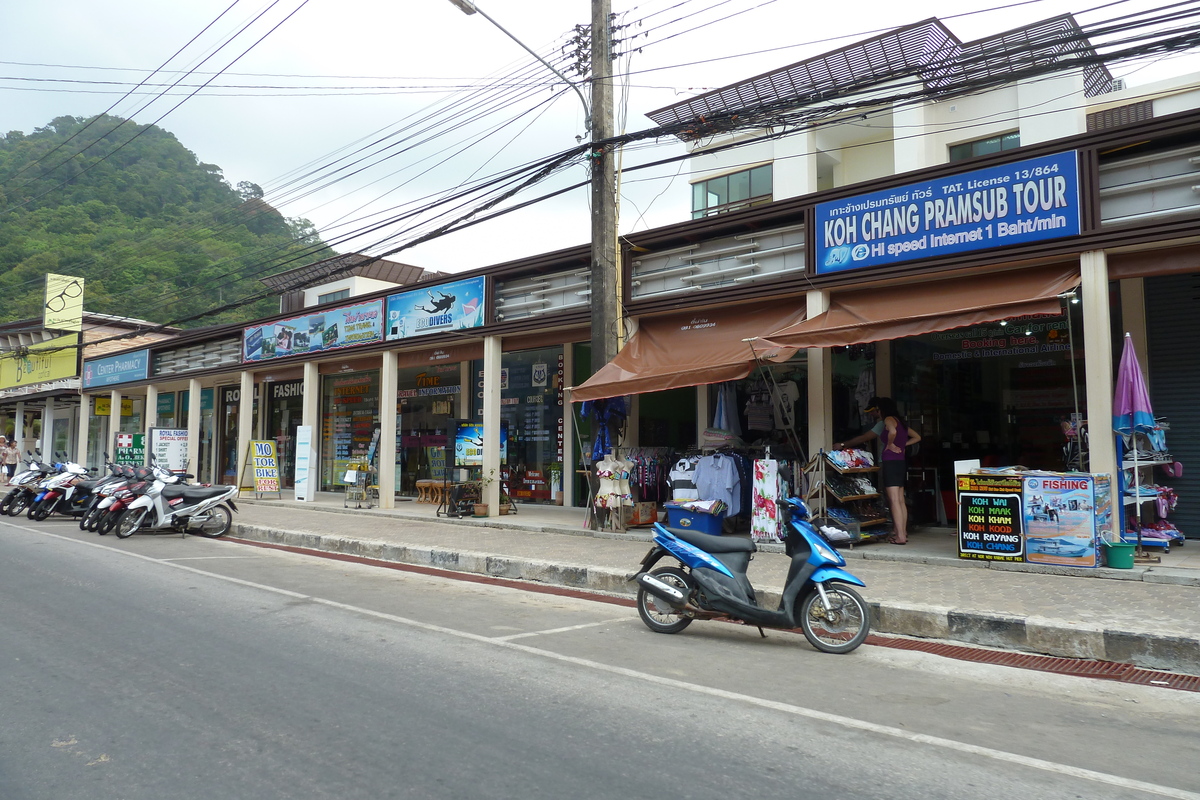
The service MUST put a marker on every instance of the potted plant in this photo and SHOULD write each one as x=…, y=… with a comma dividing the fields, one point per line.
x=481, y=508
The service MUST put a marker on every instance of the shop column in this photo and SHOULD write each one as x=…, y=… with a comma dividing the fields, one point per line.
x=1097, y=349
x=820, y=383
x=386, y=452
x=48, y=427
x=19, y=428
x=310, y=415
x=193, y=428
x=245, y=424
x=491, y=423
x=114, y=422
x=81, y=442
x=151, y=413
x=570, y=459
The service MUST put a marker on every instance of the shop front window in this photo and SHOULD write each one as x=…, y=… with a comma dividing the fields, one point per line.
x=228, y=445
x=997, y=393
x=531, y=406
x=426, y=400
x=285, y=407
x=203, y=471
x=349, y=417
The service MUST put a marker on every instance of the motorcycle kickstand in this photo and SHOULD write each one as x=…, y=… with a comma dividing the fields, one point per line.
x=761, y=632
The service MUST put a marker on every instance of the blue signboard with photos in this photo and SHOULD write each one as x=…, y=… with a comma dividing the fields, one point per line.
x=447, y=307
x=348, y=326
x=1026, y=201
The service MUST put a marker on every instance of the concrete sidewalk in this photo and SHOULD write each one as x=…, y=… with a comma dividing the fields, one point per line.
x=1148, y=616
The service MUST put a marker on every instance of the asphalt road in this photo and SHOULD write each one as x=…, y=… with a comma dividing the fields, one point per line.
x=160, y=667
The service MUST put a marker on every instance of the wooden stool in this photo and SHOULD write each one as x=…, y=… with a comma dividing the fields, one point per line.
x=429, y=491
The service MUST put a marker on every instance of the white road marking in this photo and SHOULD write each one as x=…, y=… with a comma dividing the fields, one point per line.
x=786, y=708
x=559, y=630
x=209, y=558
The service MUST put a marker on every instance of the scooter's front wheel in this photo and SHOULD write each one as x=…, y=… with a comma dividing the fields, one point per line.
x=129, y=521
x=41, y=510
x=659, y=615
x=841, y=627
x=18, y=504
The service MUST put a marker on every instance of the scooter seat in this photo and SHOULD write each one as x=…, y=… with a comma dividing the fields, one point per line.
x=88, y=485
x=714, y=544
x=193, y=494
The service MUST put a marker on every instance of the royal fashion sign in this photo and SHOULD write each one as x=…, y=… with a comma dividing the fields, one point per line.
x=1027, y=201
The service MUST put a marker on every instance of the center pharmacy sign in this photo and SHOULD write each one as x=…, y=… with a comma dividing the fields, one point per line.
x=1026, y=201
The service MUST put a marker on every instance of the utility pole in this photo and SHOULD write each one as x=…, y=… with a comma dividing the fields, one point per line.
x=604, y=274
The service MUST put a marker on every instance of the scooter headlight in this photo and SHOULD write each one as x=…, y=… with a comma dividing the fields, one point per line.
x=828, y=553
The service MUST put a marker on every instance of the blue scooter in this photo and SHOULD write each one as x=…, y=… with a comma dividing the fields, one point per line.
x=711, y=583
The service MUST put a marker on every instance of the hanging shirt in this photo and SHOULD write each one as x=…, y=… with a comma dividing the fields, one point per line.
x=785, y=404
x=717, y=479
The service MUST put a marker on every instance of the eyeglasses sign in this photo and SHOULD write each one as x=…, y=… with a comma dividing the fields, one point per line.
x=64, y=303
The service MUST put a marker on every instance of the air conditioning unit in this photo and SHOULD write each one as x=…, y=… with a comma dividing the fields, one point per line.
x=1117, y=85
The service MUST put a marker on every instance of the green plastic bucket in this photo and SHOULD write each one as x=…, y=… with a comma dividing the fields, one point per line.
x=1119, y=555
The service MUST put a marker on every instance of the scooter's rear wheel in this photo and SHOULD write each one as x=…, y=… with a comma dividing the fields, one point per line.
x=659, y=615
x=217, y=522
x=841, y=627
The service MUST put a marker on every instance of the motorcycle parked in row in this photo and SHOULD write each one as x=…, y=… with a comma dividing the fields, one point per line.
x=20, y=479
x=30, y=486
x=711, y=583
x=118, y=475
x=58, y=492
x=138, y=480
x=167, y=505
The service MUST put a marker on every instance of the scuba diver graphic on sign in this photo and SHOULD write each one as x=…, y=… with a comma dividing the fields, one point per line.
x=440, y=305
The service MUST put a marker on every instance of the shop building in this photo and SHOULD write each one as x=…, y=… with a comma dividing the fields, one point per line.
x=40, y=381
x=988, y=345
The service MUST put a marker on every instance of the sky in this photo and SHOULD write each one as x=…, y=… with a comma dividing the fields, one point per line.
x=313, y=86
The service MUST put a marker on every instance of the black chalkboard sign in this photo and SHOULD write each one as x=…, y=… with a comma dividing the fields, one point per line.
x=990, y=519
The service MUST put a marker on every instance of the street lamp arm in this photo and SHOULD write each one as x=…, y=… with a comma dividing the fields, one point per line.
x=469, y=7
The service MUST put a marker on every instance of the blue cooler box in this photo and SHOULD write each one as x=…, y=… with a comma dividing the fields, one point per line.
x=693, y=520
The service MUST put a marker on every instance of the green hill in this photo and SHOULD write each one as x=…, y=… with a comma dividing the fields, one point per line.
x=156, y=233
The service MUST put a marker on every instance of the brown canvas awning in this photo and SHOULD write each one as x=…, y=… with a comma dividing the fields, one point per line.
x=691, y=349
x=897, y=312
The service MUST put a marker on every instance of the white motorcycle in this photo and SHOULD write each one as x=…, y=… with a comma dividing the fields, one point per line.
x=181, y=507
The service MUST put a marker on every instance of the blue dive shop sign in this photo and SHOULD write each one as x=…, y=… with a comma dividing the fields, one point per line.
x=1027, y=201
x=116, y=369
x=448, y=307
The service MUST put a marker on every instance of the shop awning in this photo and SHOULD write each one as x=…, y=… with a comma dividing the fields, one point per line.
x=897, y=312
x=692, y=349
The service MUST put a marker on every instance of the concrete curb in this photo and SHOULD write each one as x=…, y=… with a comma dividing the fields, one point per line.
x=1026, y=634
x=1148, y=574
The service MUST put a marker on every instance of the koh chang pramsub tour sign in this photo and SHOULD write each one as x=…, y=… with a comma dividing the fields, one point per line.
x=448, y=307
x=1027, y=201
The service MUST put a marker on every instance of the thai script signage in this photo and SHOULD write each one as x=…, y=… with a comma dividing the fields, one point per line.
x=314, y=333
x=448, y=307
x=1027, y=201
x=111, y=370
